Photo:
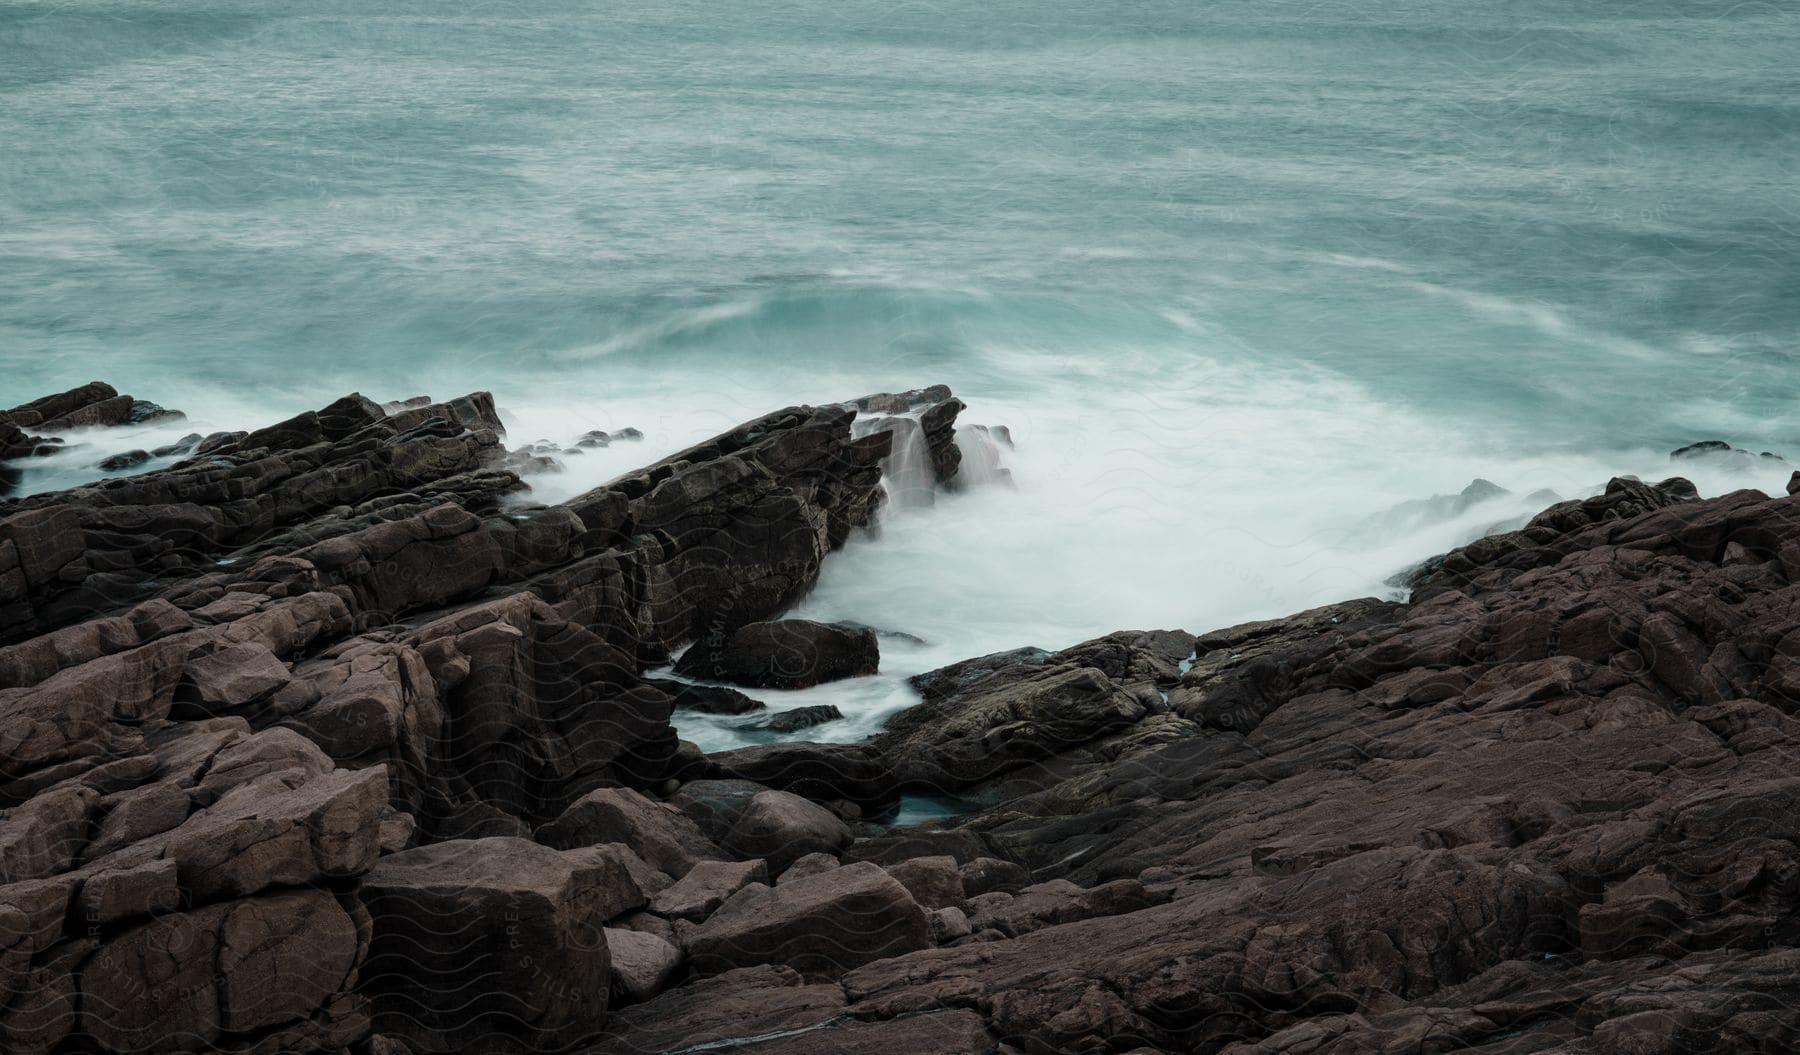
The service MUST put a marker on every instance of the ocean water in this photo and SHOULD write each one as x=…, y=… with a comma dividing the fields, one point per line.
x=1241, y=277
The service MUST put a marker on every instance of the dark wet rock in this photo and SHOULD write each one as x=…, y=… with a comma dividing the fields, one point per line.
x=126, y=460
x=144, y=412
x=784, y=654
x=934, y=411
x=959, y=677
x=181, y=446
x=984, y=875
x=1000, y=724
x=1723, y=454
x=795, y=719
x=708, y=699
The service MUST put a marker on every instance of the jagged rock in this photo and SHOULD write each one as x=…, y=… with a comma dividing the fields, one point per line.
x=958, y=742
x=785, y=654
x=492, y=944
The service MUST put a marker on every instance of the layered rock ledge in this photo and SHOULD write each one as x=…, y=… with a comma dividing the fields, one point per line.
x=327, y=738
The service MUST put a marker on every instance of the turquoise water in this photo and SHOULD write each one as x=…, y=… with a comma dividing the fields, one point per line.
x=1238, y=274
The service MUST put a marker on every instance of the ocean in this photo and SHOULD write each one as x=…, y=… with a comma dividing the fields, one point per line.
x=1242, y=278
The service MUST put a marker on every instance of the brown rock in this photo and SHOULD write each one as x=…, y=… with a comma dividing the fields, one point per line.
x=490, y=944
x=661, y=834
x=821, y=925
x=781, y=828
x=707, y=886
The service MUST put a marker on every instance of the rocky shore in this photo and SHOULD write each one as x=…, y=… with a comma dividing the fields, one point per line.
x=326, y=738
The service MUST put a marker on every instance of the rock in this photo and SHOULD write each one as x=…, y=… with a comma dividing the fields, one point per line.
x=948, y=924
x=985, y=875
x=715, y=805
x=126, y=460
x=781, y=827
x=856, y=772
x=233, y=683
x=184, y=445
x=708, y=699
x=662, y=835
x=232, y=968
x=958, y=742
x=707, y=886
x=1057, y=901
x=933, y=882
x=723, y=1010
x=958, y=678
x=231, y=679
x=795, y=719
x=808, y=865
x=894, y=845
x=786, y=654
x=479, y=940
x=642, y=964
x=821, y=925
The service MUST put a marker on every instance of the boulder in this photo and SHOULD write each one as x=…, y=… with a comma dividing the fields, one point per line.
x=489, y=944
x=781, y=828
x=821, y=925
x=785, y=654
x=934, y=882
x=660, y=834
x=642, y=963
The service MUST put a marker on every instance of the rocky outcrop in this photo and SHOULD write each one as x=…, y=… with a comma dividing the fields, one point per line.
x=324, y=739
x=276, y=722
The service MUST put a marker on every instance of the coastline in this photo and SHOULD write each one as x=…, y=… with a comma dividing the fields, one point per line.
x=329, y=676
